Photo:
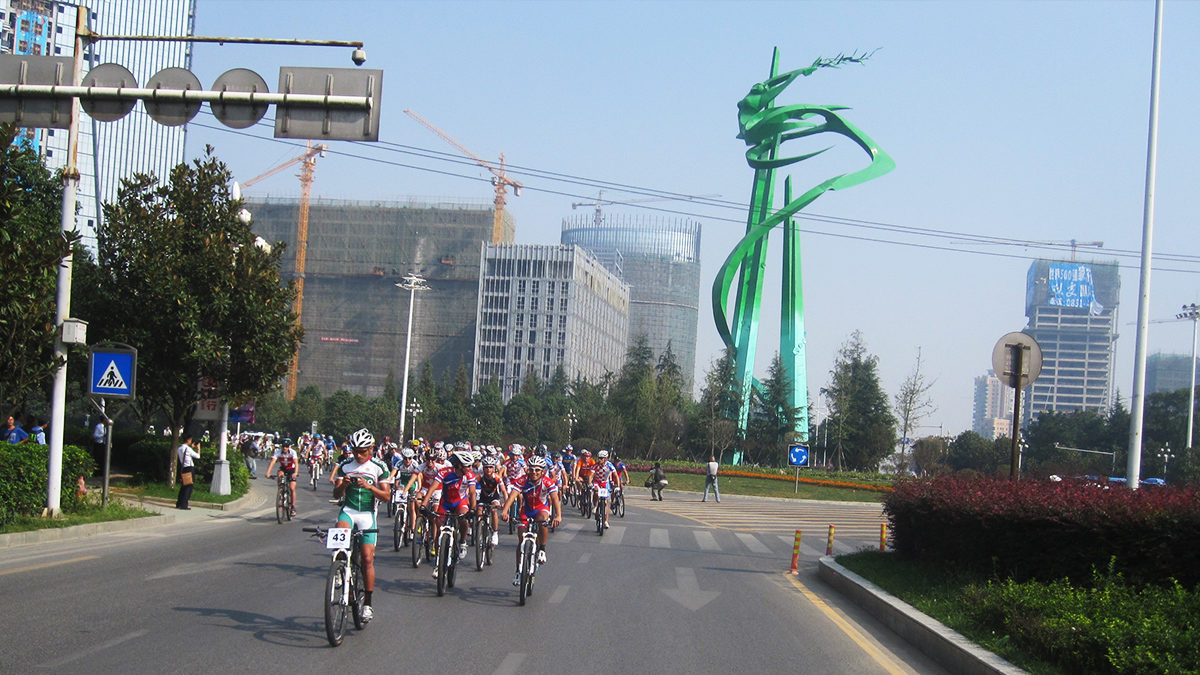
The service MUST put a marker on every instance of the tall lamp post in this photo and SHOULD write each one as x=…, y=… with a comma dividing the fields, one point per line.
x=1192, y=313
x=571, y=420
x=411, y=283
x=1166, y=456
x=414, y=409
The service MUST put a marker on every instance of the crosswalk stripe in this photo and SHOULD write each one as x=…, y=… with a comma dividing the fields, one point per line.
x=706, y=541
x=752, y=543
x=614, y=534
x=659, y=538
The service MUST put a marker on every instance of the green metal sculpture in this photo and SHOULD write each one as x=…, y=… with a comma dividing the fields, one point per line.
x=765, y=128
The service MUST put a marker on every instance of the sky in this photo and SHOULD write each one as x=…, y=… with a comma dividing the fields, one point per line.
x=1023, y=121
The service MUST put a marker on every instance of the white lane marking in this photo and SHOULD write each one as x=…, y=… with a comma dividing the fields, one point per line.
x=752, y=543
x=511, y=663
x=558, y=594
x=564, y=533
x=614, y=534
x=659, y=538
x=706, y=541
x=98, y=648
x=584, y=558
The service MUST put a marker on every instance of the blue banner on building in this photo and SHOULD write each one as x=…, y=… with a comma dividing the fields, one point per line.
x=1071, y=285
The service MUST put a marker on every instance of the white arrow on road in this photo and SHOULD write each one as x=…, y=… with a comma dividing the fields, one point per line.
x=689, y=594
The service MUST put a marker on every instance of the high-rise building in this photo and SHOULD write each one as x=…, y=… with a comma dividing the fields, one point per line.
x=1166, y=373
x=1072, y=312
x=543, y=306
x=108, y=151
x=993, y=407
x=660, y=260
x=354, y=317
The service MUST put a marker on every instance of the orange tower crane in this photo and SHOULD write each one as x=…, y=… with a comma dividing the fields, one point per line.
x=308, y=162
x=499, y=178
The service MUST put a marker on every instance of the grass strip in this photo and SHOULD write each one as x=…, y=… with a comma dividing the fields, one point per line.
x=165, y=491
x=761, y=487
x=116, y=510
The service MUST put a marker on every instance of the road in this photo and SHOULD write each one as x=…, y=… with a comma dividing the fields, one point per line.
x=674, y=586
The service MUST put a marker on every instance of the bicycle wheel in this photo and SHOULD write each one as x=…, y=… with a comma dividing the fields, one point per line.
x=482, y=537
x=620, y=503
x=452, y=566
x=513, y=514
x=600, y=517
x=358, y=591
x=280, y=506
x=335, y=611
x=524, y=585
x=417, y=542
x=443, y=562
x=398, y=529
x=287, y=497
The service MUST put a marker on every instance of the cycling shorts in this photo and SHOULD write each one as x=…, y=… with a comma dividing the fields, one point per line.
x=531, y=514
x=290, y=473
x=360, y=520
x=446, y=507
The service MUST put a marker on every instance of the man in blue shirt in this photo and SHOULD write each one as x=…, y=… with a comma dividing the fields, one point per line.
x=13, y=433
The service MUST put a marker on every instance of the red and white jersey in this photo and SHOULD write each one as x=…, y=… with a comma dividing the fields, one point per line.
x=535, y=494
x=514, y=468
x=431, y=470
x=603, y=473
x=287, y=458
x=454, y=487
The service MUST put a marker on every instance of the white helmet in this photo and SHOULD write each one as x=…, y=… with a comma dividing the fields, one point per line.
x=603, y=454
x=362, y=439
x=517, y=451
x=407, y=453
x=462, y=458
x=536, y=462
x=440, y=454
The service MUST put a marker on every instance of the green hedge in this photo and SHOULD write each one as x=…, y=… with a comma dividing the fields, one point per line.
x=239, y=475
x=25, y=472
x=147, y=459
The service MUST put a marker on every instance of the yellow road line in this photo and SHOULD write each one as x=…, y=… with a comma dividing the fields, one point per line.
x=883, y=659
x=49, y=564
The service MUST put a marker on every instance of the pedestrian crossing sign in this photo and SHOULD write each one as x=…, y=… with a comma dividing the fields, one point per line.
x=113, y=371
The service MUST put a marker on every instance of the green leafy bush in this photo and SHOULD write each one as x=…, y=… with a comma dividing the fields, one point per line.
x=239, y=475
x=1107, y=627
x=146, y=459
x=25, y=473
x=1042, y=530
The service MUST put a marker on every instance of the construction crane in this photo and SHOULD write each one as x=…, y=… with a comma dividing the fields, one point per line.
x=601, y=201
x=308, y=164
x=499, y=178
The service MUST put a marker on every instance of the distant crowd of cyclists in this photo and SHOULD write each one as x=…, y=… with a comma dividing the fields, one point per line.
x=440, y=478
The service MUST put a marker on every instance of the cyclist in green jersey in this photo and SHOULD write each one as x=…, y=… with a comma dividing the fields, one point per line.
x=362, y=479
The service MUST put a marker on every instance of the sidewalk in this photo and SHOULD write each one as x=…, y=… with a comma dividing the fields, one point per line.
x=166, y=514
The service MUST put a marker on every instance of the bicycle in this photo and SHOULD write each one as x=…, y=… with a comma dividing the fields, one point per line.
x=283, y=500
x=601, y=499
x=314, y=473
x=345, y=586
x=513, y=514
x=527, y=564
x=420, y=539
x=447, y=552
x=618, y=502
x=585, y=501
x=483, y=537
x=399, y=507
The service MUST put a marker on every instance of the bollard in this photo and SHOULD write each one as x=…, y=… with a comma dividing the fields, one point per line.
x=829, y=544
x=796, y=555
x=883, y=536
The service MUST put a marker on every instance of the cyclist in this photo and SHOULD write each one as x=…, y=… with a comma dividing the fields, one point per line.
x=288, y=460
x=404, y=468
x=604, y=476
x=539, y=503
x=583, y=473
x=568, y=463
x=491, y=491
x=361, y=480
x=514, y=466
x=622, y=469
x=457, y=488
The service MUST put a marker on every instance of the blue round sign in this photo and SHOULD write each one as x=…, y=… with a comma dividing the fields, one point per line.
x=798, y=455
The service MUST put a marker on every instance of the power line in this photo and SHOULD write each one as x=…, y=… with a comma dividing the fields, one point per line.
x=968, y=238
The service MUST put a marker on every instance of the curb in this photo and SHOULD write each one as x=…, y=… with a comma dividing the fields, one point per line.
x=947, y=647
x=85, y=530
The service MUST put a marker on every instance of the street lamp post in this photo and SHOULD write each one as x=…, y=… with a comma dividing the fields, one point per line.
x=1192, y=313
x=1166, y=456
x=414, y=409
x=411, y=283
x=571, y=420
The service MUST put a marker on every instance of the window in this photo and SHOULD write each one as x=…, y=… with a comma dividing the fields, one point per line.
x=562, y=339
x=550, y=321
x=532, y=353
x=533, y=303
x=520, y=320
x=546, y=355
x=533, y=320
x=562, y=305
x=521, y=304
x=532, y=336
x=520, y=336
x=550, y=287
x=535, y=287
x=565, y=287
x=521, y=286
x=561, y=355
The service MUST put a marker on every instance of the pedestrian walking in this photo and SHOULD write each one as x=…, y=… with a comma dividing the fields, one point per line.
x=187, y=456
x=38, y=432
x=99, y=432
x=710, y=480
x=658, y=481
x=250, y=452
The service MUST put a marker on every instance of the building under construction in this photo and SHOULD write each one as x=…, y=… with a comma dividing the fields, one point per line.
x=354, y=316
x=660, y=260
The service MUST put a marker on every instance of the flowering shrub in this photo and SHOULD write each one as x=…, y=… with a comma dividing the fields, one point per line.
x=1040, y=530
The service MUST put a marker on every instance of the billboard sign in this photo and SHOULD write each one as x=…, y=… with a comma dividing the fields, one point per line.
x=1071, y=285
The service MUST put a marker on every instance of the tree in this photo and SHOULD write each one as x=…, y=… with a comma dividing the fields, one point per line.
x=929, y=454
x=31, y=251
x=862, y=427
x=488, y=408
x=971, y=451
x=717, y=411
x=913, y=404
x=180, y=278
x=774, y=423
x=633, y=395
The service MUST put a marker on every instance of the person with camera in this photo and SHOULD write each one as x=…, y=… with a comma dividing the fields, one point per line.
x=362, y=479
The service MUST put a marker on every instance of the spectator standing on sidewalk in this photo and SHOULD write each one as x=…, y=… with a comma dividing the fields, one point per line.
x=658, y=480
x=250, y=452
x=710, y=480
x=98, y=434
x=187, y=456
x=13, y=433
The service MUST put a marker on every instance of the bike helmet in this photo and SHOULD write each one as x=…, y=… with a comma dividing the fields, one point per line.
x=489, y=463
x=586, y=453
x=462, y=458
x=440, y=454
x=476, y=455
x=439, y=445
x=516, y=451
x=287, y=442
x=542, y=450
x=536, y=462
x=407, y=453
x=362, y=439
x=603, y=454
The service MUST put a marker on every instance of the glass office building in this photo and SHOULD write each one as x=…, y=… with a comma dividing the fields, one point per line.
x=660, y=260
